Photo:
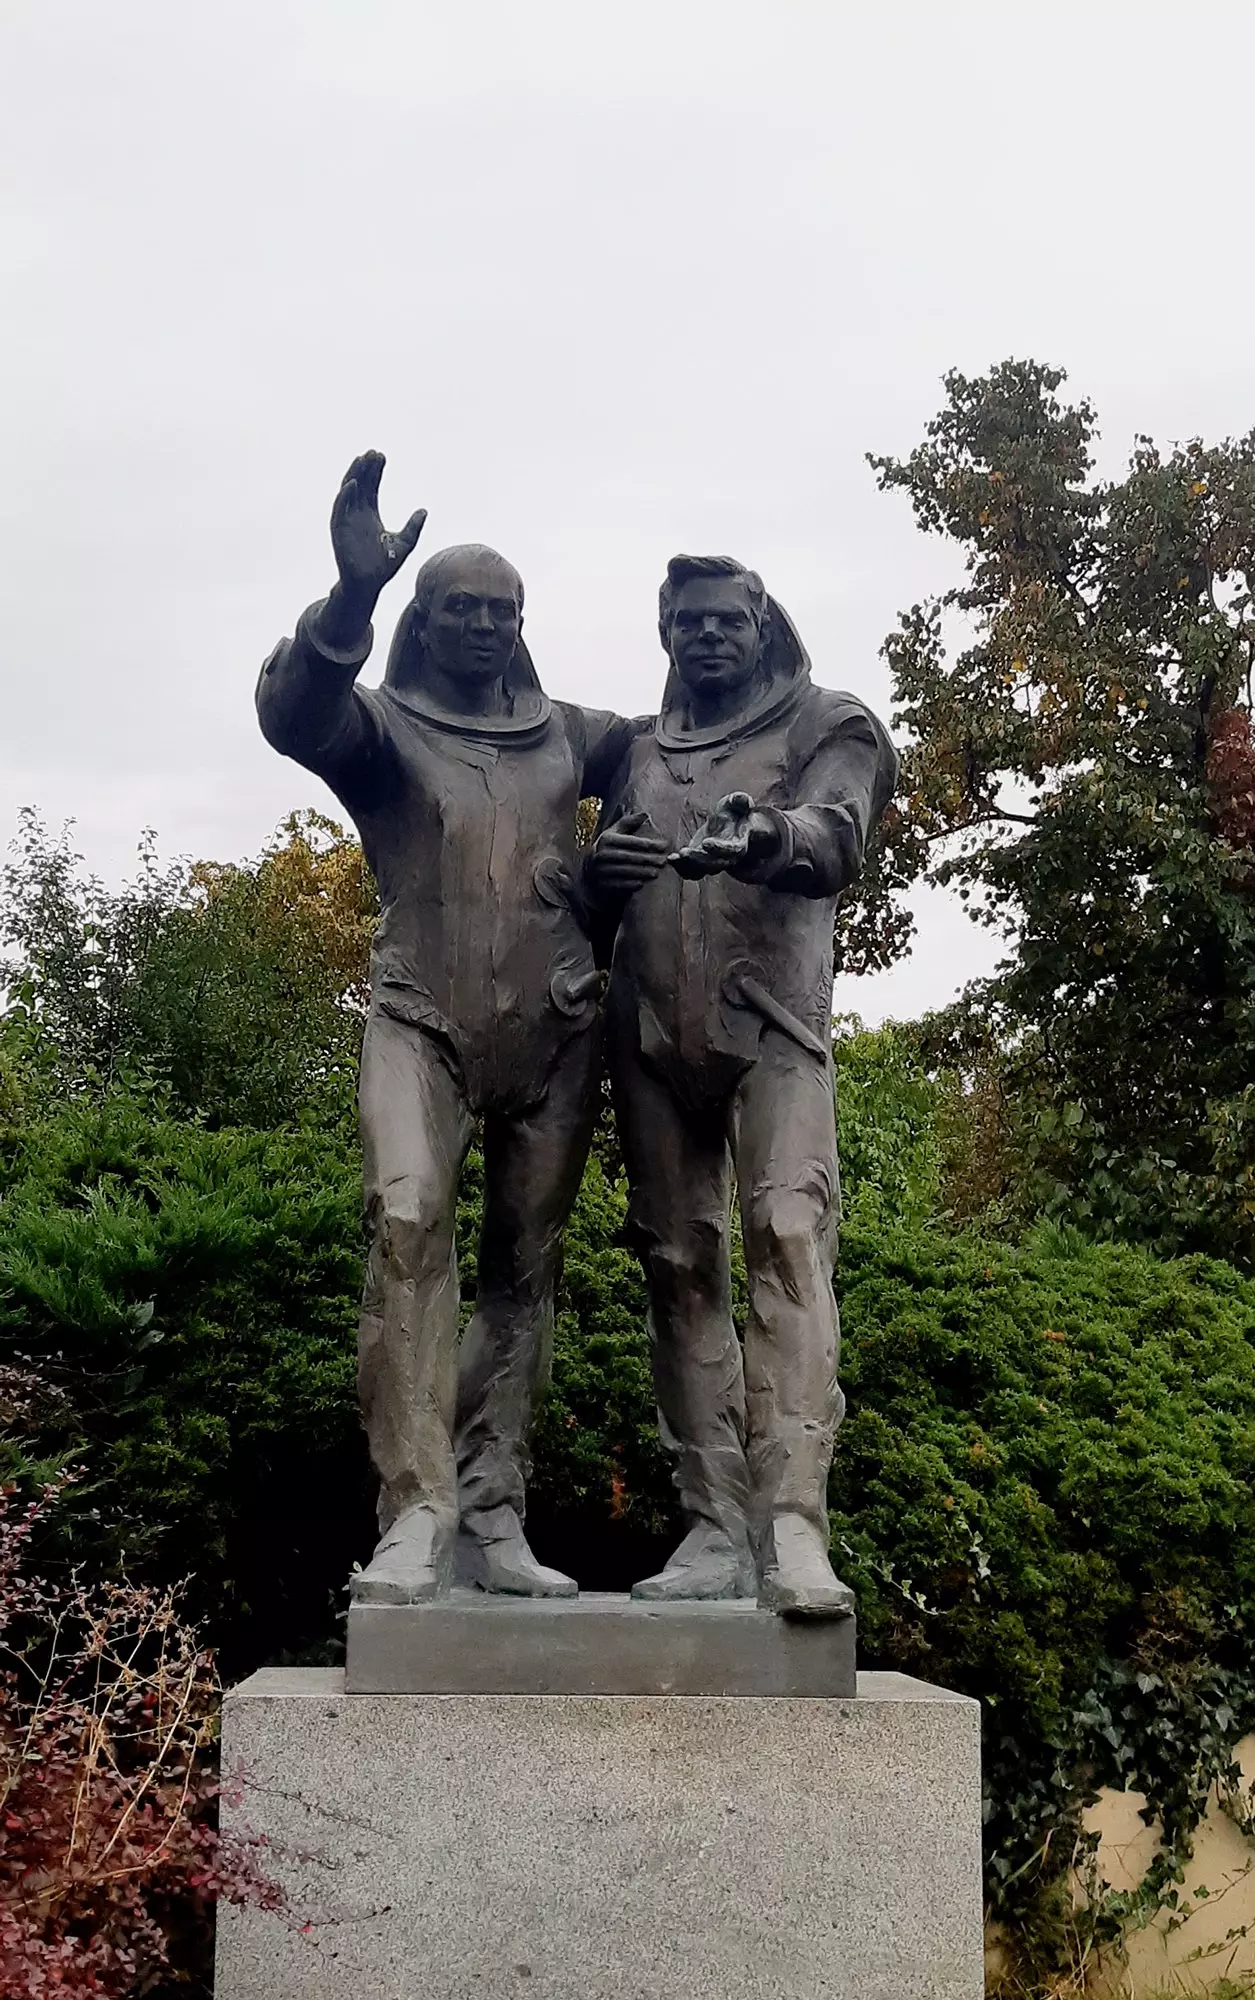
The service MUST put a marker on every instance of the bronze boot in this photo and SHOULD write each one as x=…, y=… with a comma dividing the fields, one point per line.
x=492, y=1554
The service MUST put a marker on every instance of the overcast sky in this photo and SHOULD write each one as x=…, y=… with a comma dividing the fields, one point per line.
x=603, y=280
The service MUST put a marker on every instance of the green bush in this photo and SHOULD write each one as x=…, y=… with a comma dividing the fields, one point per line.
x=1044, y=1490
x=1045, y=1493
x=188, y=1300
x=190, y=1295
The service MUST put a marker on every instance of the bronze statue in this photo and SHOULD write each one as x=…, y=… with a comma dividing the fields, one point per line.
x=462, y=778
x=730, y=831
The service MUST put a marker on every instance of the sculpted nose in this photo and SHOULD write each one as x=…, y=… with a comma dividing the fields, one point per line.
x=481, y=619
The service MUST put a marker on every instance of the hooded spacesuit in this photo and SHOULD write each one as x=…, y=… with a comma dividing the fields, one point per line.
x=719, y=1026
x=484, y=1005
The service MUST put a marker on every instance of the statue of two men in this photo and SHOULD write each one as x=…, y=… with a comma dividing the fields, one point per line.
x=729, y=827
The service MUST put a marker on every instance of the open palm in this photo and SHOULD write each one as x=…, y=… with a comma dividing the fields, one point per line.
x=366, y=554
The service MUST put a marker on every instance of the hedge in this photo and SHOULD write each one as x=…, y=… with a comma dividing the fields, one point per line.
x=1044, y=1490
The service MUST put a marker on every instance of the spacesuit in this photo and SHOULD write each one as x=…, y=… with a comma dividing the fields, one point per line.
x=484, y=1006
x=719, y=1027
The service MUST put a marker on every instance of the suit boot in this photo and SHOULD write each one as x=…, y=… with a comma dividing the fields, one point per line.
x=714, y=1560
x=492, y=1554
x=412, y=1562
x=796, y=1577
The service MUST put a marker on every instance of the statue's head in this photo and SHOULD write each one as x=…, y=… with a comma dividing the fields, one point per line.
x=467, y=614
x=713, y=619
x=462, y=630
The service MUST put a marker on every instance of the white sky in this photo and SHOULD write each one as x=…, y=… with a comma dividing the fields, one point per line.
x=604, y=281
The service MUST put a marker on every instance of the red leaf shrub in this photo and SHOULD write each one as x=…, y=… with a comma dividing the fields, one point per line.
x=110, y=1855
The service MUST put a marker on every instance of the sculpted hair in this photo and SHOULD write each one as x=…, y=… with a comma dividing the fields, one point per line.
x=436, y=572
x=682, y=569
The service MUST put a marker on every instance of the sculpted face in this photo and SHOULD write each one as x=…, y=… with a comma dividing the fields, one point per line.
x=474, y=620
x=713, y=634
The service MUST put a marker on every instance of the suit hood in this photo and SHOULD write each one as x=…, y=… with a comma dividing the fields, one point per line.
x=406, y=681
x=784, y=675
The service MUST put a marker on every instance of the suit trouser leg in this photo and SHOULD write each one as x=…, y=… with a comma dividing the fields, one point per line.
x=416, y=1129
x=785, y=1144
x=679, y=1173
x=532, y=1169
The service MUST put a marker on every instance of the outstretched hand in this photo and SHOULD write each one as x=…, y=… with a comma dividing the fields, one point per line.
x=367, y=556
x=736, y=835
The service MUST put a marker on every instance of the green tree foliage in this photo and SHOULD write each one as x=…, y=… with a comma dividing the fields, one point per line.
x=891, y=1123
x=231, y=993
x=1081, y=767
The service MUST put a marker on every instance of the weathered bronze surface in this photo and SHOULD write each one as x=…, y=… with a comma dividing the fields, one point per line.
x=462, y=779
x=730, y=830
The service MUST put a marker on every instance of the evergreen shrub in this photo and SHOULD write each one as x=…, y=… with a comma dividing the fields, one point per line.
x=1044, y=1490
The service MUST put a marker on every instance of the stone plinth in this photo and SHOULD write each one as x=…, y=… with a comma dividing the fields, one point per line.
x=582, y=1846
x=598, y=1643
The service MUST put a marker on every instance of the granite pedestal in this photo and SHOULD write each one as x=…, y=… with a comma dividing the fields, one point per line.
x=571, y=1844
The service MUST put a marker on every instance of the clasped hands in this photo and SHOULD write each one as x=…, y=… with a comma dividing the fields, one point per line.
x=735, y=836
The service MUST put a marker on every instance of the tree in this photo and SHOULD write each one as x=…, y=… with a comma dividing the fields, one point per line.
x=1081, y=766
x=234, y=993
x=313, y=879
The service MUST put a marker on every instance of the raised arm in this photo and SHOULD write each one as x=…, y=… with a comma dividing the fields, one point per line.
x=306, y=701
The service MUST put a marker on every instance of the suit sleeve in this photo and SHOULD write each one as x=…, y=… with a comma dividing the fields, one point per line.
x=607, y=740
x=604, y=742
x=311, y=711
x=843, y=790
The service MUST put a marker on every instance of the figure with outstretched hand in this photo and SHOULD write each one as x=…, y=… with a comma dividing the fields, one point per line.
x=727, y=835
x=462, y=779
